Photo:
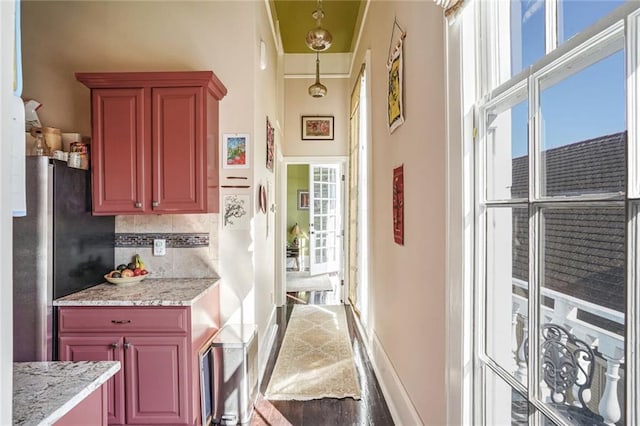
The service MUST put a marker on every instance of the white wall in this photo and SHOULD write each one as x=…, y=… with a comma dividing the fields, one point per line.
x=6, y=233
x=299, y=103
x=61, y=38
x=408, y=282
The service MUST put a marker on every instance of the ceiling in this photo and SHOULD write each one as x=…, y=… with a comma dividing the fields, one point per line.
x=295, y=20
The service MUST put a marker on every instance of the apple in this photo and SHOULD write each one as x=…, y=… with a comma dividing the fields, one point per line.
x=127, y=272
x=137, y=272
x=144, y=272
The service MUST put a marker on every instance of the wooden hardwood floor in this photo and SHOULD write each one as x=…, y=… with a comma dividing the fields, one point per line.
x=371, y=409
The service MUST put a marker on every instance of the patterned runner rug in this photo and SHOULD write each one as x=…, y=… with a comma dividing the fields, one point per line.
x=316, y=359
x=302, y=281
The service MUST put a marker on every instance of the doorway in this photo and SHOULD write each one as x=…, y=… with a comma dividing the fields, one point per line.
x=313, y=262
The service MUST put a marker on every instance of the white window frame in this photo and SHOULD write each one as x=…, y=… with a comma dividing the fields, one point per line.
x=621, y=26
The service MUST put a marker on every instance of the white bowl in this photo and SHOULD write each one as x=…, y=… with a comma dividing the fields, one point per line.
x=125, y=280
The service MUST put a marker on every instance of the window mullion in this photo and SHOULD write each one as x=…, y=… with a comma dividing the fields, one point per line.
x=632, y=316
x=534, y=242
x=633, y=226
x=551, y=25
x=633, y=103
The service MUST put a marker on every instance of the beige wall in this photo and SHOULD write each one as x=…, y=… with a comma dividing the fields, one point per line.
x=266, y=102
x=299, y=103
x=408, y=282
x=61, y=38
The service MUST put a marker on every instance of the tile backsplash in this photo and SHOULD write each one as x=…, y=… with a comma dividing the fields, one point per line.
x=191, y=241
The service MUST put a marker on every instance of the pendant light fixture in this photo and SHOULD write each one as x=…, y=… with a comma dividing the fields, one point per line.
x=318, y=38
x=317, y=89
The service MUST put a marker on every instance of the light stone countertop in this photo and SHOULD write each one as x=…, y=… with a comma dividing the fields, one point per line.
x=150, y=292
x=43, y=392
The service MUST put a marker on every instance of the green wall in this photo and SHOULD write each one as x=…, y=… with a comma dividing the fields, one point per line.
x=297, y=178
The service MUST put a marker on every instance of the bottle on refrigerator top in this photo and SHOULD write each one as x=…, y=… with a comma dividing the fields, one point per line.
x=40, y=147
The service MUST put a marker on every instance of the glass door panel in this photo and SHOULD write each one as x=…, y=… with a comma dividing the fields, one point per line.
x=583, y=130
x=582, y=314
x=507, y=288
x=326, y=226
x=576, y=15
x=498, y=410
x=506, y=149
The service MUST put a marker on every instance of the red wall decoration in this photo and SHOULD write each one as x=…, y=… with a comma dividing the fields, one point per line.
x=398, y=205
x=270, y=146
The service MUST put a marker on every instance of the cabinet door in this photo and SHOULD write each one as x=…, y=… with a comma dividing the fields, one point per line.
x=179, y=151
x=157, y=380
x=99, y=348
x=118, y=151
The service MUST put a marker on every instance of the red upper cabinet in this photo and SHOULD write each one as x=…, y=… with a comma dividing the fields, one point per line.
x=154, y=141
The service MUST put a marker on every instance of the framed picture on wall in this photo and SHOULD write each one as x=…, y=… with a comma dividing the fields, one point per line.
x=317, y=127
x=235, y=147
x=270, y=146
x=398, y=205
x=303, y=199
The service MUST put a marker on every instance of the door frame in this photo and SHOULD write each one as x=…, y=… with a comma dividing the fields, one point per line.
x=281, y=218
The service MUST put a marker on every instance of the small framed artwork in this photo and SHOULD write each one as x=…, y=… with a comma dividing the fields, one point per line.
x=395, y=108
x=303, y=199
x=398, y=205
x=236, y=211
x=270, y=146
x=235, y=153
x=317, y=127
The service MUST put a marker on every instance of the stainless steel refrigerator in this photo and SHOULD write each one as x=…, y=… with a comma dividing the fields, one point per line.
x=58, y=248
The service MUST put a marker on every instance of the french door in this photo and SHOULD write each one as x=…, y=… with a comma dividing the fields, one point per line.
x=325, y=214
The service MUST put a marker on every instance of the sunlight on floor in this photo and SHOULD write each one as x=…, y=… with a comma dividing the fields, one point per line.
x=265, y=414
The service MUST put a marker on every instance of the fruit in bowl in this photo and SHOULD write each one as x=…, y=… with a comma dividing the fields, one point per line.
x=133, y=272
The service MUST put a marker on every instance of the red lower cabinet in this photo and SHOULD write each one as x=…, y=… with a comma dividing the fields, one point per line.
x=90, y=411
x=100, y=348
x=158, y=382
x=156, y=370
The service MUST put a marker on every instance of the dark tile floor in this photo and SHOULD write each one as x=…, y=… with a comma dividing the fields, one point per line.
x=371, y=409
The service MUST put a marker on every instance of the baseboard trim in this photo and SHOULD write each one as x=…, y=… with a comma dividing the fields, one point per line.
x=266, y=346
x=400, y=406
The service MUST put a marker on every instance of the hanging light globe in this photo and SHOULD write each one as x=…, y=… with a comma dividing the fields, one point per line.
x=318, y=38
x=317, y=89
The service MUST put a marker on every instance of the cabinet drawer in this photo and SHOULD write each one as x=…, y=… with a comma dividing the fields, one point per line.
x=148, y=319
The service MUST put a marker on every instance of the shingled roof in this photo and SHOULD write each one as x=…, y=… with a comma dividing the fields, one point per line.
x=584, y=248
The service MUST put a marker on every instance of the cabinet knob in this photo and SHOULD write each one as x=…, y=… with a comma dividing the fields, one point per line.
x=114, y=345
x=155, y=204
x=138, y=205
x=127, y=345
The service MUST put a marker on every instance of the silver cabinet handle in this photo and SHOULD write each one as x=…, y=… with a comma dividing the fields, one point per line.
x=114, y=345
x=155, y=204
x=127, y=345
x=138, y=205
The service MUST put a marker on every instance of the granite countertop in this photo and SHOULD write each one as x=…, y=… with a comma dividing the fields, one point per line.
x=43, y=392
x=150, y=292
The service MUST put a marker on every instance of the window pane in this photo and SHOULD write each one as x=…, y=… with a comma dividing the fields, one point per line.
x=507, y=288
x=584, y=131
x=527, y=33
x=507, y=171
x=576, y=15
x=497, y=395
x=582, y=321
